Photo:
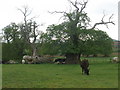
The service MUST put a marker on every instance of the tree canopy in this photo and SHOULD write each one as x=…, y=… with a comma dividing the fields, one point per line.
x=89, y=41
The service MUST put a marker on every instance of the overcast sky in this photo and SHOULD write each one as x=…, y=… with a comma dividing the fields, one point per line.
x=40, y=8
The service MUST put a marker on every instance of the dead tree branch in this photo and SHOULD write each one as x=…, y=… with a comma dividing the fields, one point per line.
x=78, y=10
x=76, y=5
x=104, y=22
x=65, y=13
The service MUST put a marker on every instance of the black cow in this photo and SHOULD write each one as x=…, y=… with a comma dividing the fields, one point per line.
x=4, y=62
x=60, y=61
x=84, y=65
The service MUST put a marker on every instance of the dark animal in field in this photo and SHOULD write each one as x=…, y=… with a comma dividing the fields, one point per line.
x=4, y=62
x=84, y=65
x=59, y=61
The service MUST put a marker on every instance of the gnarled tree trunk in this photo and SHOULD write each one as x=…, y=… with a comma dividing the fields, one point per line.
x=72, y=58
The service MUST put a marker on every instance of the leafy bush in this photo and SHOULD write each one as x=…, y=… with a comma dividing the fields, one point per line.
x=9, y=52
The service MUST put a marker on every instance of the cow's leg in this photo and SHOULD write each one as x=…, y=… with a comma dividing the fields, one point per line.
x=82, y=71
x=87, y=71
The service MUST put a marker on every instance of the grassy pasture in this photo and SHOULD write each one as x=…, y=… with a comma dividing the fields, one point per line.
x=103, y=74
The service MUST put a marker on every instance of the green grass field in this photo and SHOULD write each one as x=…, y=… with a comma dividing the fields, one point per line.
x=102, y=75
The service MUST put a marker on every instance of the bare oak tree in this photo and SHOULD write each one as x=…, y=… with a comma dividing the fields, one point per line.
x=29, y=29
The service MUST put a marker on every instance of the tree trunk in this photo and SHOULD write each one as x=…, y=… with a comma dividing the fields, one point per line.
x=34, y=52
x=106, y=55
x=95, y=55
x=72, y=58
x=34, y=49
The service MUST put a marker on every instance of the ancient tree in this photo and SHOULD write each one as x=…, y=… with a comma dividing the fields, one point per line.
x=77, y=20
